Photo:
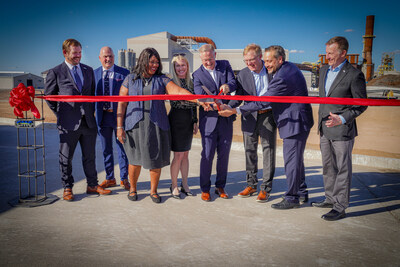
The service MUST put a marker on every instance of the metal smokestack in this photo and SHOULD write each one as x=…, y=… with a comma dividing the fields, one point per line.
x=367, y=51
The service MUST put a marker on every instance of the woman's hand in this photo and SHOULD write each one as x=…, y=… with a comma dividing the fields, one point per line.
x=195, y=128
x=121, y=136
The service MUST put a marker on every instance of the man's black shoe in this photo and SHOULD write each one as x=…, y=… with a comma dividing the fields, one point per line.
x=333, y=215
x=322, y=204
x=285, y=205
x=304, y=198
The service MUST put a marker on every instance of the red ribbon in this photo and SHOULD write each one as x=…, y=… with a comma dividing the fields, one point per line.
x=21, y=98
x=278, y=99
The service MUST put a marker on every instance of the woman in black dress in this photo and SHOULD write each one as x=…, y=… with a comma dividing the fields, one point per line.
x=143, y=126
x=183, y=122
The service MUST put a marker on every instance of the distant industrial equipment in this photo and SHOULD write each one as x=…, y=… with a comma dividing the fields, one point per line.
x=387, y=63
x=126, y=58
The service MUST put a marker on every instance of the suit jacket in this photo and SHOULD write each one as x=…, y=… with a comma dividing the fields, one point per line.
x=119, y=76
x=59, y=81
x=201, y=77
x=246, y=86
x=349, y=83
x=291, y=118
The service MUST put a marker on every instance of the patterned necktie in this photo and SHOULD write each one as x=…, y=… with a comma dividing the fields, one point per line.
x=78, y=80
x=107, y=105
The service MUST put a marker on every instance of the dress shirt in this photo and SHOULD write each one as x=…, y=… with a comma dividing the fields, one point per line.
x=213, y=74
x=330, y=77
x=261, y=82
x=79, y=71
x=110, y=77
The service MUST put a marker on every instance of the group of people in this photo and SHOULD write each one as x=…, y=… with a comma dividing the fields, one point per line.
x=145, y=134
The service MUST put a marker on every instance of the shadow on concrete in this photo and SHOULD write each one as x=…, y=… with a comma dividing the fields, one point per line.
x=9, y=188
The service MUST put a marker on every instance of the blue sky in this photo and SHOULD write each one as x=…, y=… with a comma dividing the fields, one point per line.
x=32, y=31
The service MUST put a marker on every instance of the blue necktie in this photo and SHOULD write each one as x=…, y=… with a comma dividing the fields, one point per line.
x=107, y=105
x=78, y=80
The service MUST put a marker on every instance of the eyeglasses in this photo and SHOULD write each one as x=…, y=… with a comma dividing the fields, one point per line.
x=179, y=54
x=252, y=60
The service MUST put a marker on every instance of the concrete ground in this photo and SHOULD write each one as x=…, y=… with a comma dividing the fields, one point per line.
x=111, y=230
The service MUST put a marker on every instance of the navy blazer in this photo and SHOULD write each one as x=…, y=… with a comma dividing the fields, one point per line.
x=59, y=81
x=291, y=118
x=201, y=77
x=349, y=83
x=246, y=86
x=119, y=76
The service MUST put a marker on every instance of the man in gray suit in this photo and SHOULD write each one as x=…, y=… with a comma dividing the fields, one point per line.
x=75, y=121
x=337, y=126
x=253, y=80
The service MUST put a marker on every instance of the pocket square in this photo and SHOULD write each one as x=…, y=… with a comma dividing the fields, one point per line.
x=118, y=80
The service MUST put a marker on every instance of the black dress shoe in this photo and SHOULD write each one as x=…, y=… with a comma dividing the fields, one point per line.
x=303, y=199
x=186, y=193
x=333, y=215
x=285, y=205
x=322, y=204
x=174, y=196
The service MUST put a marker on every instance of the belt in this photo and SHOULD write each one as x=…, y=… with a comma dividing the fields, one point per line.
x=264, y=111
x=108, y=110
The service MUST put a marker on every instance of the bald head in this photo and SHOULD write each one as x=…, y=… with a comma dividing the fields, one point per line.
x=106, y=57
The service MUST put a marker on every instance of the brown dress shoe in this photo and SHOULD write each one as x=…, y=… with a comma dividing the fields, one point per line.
x=205, y=196
x=125, y=184
x=221, y=193
x=248, y=191
x=97, y=190
x=108, y=183
x=68, y=195
x=263, y=196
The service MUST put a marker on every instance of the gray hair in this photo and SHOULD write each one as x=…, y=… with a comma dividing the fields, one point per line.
x=206, y=48
x=278, y=51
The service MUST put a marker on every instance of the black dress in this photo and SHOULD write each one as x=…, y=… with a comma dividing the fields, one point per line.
x=182, y=116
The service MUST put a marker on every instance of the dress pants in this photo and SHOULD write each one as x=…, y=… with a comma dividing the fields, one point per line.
x=293, y=157
x=266, y=131
x=107, y=133
x=337, y=171
x=68, y=140
x=219, y=140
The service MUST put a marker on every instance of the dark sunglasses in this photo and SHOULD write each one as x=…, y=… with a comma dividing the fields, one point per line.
x=179, y=54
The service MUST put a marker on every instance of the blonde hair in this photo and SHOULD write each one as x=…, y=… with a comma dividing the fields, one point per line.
x=252, y=47
x=175, y=77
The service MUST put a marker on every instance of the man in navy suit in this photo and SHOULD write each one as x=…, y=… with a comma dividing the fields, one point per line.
x=216, y=131
x=337, y=126
x=75, y=120
x=294, y=120
x=109, y=78
x=260, y=124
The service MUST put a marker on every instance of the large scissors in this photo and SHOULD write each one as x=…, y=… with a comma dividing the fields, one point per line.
x=218, y=102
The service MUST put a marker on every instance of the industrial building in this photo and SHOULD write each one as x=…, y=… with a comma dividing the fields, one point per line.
x=11, y=79
x=126, y=58
x=168, y=44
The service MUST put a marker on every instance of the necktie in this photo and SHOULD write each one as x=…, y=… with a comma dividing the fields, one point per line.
x=107, y=105
x=78, y=80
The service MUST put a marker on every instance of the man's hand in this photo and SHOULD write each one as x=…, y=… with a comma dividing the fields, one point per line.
x=333, y=120
x=225, y=89
x=226, y=111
